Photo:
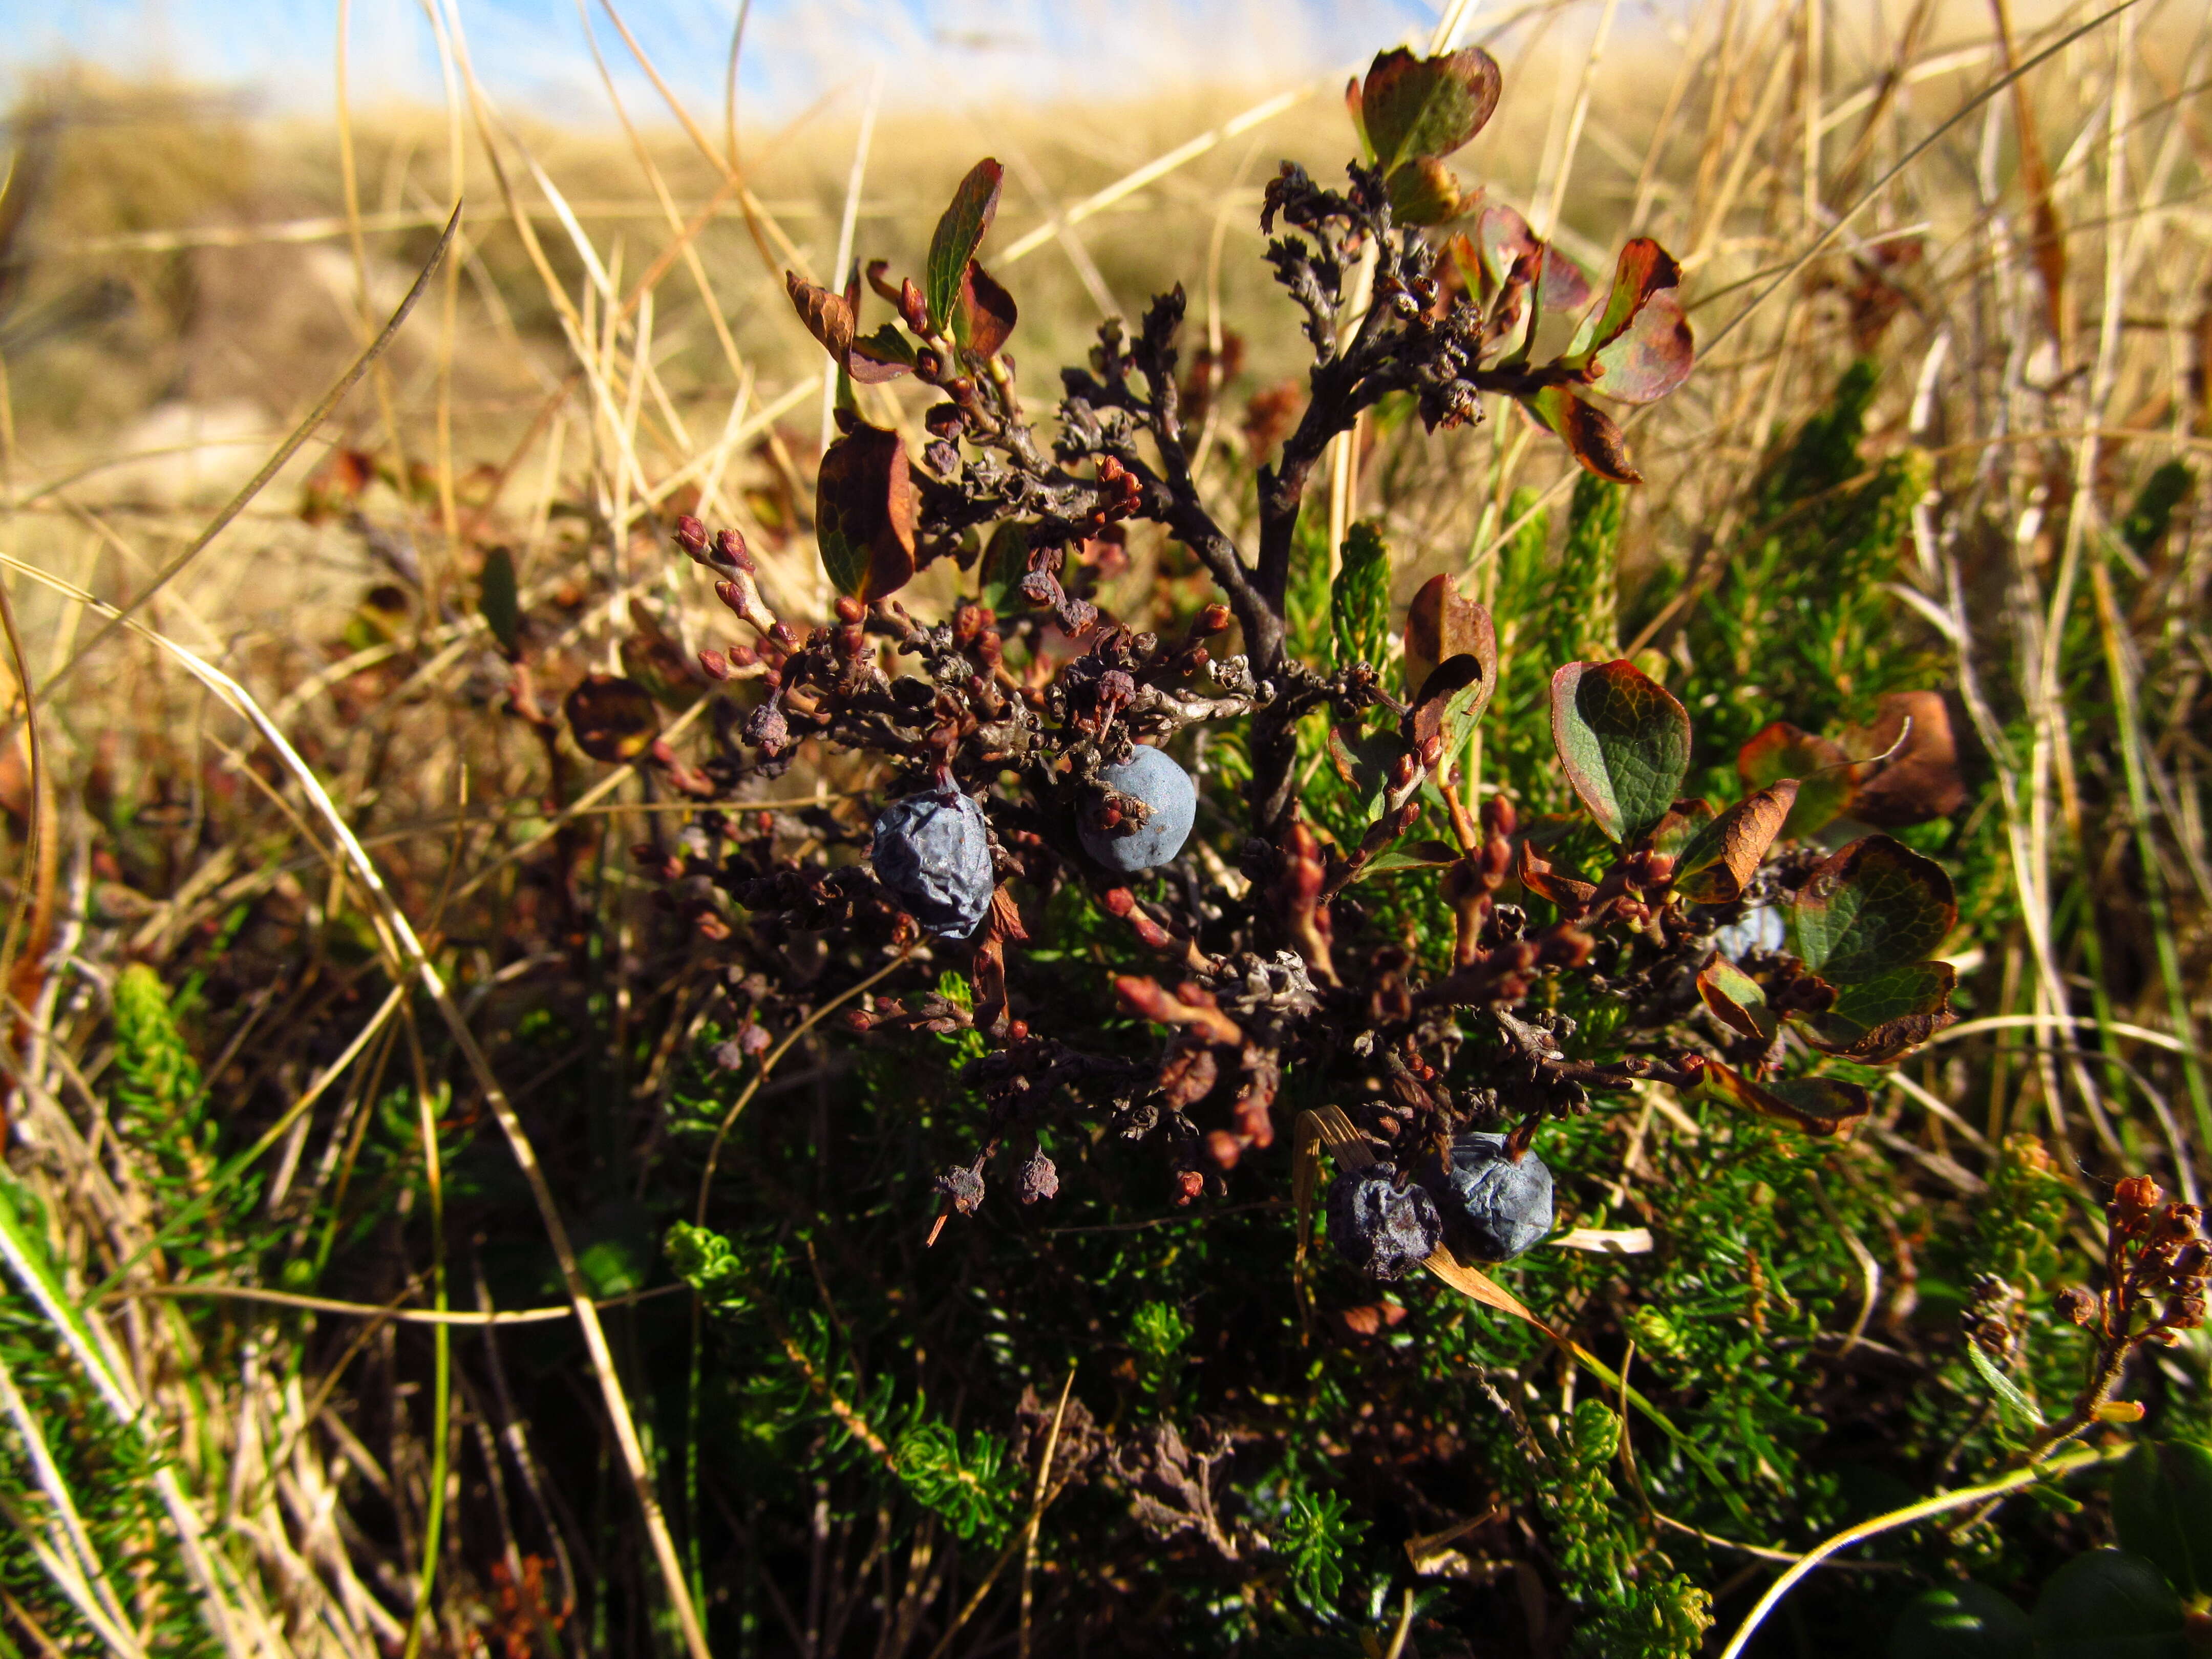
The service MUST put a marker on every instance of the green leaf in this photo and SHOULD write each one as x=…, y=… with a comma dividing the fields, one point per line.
x=1874, y=905
x=1961, y=1620
x=500, y=603
x=1878, y=1019
x=2109, y=1604
x=959, y=234
x=1625, y=743
x=2007, y=1391
x=2163, y=1509
x=1421, y=856
x=1359, y=599
x=1414, y=106
x=1424, y=191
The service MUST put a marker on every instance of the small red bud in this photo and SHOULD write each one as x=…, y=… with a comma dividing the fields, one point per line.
x=730, y=547
x=715, y=665
x=690, y=535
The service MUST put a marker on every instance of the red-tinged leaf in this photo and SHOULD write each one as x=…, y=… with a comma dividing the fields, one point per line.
x=987, y=312
x=884, y=356
x=1414, y=106
x=1543, y=878
x=1650, y=358
x=1644, y=269
x=1623, y=742
x=1921, y=779
x=878, y=274
x=1826, y=777
x=1817, y=1105
x=1424, y=191
x=827, y=315
x=1562, y=286
x=1879, y=1019
x=613, y=720
x=959, y=234
x=1358, y=120
x=1441, y=625
x=864, y=514
x=1714, y=866
x=1452, y=700
x=1737, y=999
x=1871, y=907
x=1589, y=434
x=1507, y=247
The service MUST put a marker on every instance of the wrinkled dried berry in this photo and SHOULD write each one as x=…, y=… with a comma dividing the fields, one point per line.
x=964, y=1186
x=1381, y=1228
x=1036, y=1180
x=1493, y=1207
x=1151, y=777
x=933, y=851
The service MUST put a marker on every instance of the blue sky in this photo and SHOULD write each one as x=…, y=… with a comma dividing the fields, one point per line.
x=533, y=54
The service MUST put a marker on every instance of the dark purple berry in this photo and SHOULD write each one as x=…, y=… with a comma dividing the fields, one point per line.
x=1381, y=1228
x=933, y=851
x=1494, y=1207
x=1149, y=776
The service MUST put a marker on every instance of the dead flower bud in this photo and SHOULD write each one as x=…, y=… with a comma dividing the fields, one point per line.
x=2076, y=1305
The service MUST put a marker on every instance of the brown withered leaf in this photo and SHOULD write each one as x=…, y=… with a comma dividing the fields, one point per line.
x=864, y=514
x=613, y=719
x=1921, y=781
x=827, y=315
x=1818, y=1105
x=1720, y=858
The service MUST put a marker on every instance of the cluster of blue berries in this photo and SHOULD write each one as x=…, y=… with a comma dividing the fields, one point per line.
x=933, y=851
x=1486, y=1205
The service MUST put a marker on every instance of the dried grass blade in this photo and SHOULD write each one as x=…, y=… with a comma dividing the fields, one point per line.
x=285, y=451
